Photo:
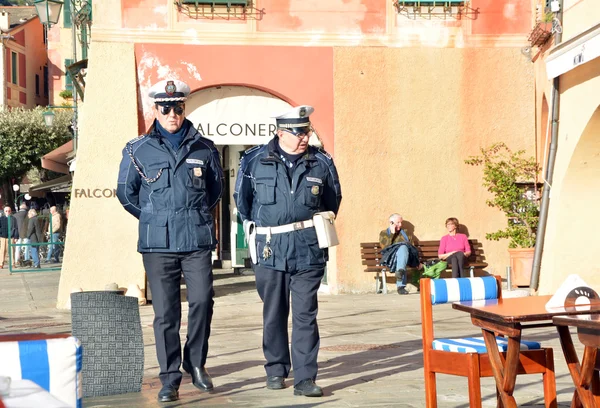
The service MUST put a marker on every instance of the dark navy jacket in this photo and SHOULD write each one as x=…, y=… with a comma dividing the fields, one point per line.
x=264, y=194
x=174, y=210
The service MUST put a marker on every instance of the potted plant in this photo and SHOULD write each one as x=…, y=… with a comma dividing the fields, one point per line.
x=506, y=174
x=66, y=94
x=542, y=31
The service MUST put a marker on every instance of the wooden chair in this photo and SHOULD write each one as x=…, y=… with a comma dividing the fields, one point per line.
x=52, y=361
x=467, y=357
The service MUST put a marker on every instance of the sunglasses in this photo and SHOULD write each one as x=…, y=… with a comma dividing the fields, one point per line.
x=299, y=134
x=165, y=110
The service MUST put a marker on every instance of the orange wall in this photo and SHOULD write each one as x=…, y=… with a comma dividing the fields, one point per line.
x=323, y=17
x=502, y=17
x=297, y=75
x=331, y=16
x=144, y=13
x=31, y=58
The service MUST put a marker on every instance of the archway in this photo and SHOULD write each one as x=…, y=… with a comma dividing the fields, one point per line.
x=576, y=243
x=235, y=118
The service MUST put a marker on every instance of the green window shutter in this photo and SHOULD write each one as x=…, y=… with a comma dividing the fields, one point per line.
x=67, y=13
x=14, y=69
x=68, y=79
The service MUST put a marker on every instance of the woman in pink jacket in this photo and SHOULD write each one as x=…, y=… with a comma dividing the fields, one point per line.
x=454, y=248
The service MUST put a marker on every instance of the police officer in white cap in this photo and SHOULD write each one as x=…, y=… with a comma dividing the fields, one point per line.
x=170, y=179
x=279, y=188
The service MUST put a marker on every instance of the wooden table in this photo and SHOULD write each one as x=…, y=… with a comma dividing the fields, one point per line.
x=587, y=384
x=505, y=317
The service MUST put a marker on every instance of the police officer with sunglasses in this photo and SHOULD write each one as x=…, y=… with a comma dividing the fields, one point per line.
x=280, y=187
x=170, y=179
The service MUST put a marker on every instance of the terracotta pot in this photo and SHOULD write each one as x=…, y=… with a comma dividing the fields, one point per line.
x=521, y=265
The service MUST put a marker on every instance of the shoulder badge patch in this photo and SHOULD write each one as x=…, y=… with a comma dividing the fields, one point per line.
x=136, y=139
x=252, y=149
x=324, y=153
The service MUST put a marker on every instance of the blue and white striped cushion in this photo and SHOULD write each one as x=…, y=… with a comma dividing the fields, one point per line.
x=463, y=289
x=53, y=364
x=477, y=345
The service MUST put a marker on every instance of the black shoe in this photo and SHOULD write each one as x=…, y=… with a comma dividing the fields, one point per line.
x=168, y=393
x=308, y=388
x=200, y=377
x=275, y=382
x=402, y=291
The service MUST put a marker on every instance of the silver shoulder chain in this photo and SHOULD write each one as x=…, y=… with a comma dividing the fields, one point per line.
x=149, y=180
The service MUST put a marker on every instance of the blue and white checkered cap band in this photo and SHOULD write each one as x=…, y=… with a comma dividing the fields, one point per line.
x=54, y=364
x=463, y=289
x=477, y=345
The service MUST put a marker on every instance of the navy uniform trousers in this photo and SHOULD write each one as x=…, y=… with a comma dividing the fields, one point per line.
x=274, y=288
x=164, y=276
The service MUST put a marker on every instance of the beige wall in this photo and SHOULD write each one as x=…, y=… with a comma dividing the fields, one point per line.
x=571, y=241
x=405, y=120
x=578, y=16
x=102, y=237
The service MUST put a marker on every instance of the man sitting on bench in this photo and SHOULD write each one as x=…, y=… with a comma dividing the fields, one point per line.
x=401, y=252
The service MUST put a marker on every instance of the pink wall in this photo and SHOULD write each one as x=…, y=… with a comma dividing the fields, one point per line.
x=298, y=75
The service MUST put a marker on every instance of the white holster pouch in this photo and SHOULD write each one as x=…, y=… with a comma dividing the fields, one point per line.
x=324, y=223
x=250, y=232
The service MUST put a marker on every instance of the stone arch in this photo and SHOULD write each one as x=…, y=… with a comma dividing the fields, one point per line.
x=578, y=222
x=237, y=114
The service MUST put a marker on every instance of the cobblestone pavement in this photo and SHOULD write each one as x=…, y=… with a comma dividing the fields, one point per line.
x=370, y=349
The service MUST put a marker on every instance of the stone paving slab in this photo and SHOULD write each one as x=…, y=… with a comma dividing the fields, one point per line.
x=370, y=349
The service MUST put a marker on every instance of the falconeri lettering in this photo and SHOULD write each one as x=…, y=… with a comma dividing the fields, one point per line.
x=95, y=193
x=237, y=129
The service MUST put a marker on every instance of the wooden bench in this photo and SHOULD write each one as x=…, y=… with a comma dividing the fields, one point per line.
x=370, y=253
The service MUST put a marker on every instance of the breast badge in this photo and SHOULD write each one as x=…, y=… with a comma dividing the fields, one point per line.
x=197, y=171
x=314, y=190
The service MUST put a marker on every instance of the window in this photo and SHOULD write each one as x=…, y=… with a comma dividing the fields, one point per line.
x=68, y=80
x=37, y=85
x=46, y=81
x=14, y=67
x=67, y=14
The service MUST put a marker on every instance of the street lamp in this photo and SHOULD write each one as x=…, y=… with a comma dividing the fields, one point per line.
x=48, y=117
x=48, y=11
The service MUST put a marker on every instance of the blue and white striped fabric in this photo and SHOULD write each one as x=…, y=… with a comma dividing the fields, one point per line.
x=463, y=289
x=477, y=345
x=53, y=364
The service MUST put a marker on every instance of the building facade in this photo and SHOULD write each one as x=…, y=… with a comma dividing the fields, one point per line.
x=403, y=95
x=570, y=241
x=23, y=60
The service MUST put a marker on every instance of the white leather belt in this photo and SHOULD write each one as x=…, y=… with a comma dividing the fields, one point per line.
x=295, y=226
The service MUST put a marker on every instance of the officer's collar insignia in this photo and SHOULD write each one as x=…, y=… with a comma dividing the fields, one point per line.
x=302, y=112
x=314, y=190
x=170, y=88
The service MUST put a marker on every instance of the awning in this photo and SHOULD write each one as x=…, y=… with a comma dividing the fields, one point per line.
x=57, y=159
x=59, y=185
x=580, y=49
